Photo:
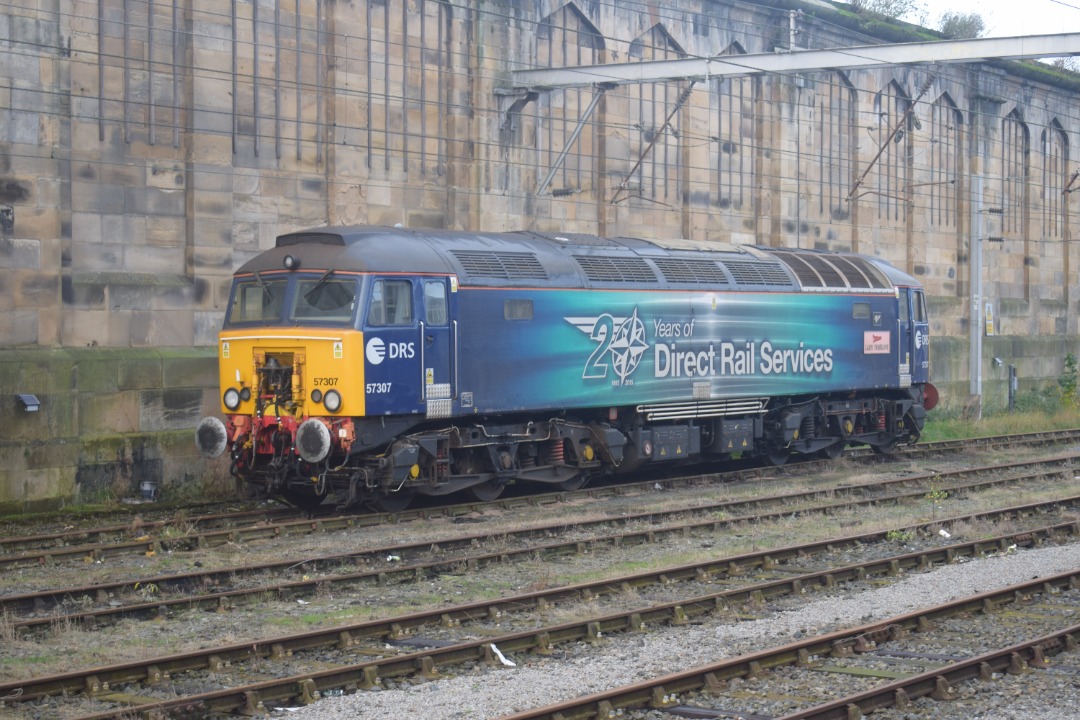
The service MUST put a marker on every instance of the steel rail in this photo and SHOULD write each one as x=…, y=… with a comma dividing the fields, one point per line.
x=939, y=682
x=192, y=582
x=159, y=609
x=59, y=551
x=96, y=681
x=657, y=692
x=138, y=527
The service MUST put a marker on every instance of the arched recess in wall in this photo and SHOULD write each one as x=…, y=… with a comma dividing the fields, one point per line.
x=278, y=78
x=1014, y=171
x=1055, y=206
x=892, y=183
x=945, y=185
x=837, y=105
x=658, y=176
x=944, y=162
x=732, y=138
x=409, y=58
x=1055, y=164
x=566, y=38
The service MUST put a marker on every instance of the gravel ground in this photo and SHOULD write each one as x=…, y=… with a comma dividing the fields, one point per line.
x=534, y=682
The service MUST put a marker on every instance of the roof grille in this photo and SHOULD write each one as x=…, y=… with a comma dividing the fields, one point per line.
x=758, y=273
x=806, y=274
x=868, y=276
x=616, y=269
x=828, y=272
x=832, y=271
x=505, y=265
x=683, y=270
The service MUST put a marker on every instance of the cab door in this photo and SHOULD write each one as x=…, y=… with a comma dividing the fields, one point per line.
x=920, y=353
x=393, y=371
x=437, y=343
x=914, y=337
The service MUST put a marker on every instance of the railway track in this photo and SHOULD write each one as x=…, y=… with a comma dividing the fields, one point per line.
x=187, y=534
x=886, y=664
x=384, y=644
x=218, y=588
x=760, y=578
x=152, y=685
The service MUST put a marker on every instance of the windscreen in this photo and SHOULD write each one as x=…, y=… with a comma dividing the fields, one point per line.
x=325, y=301
x=293, y=300
x=256, y=300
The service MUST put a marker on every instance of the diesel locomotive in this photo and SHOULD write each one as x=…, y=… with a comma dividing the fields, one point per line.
x=372, y=364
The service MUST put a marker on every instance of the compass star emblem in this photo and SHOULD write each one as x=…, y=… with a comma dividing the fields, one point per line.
x=627, y=346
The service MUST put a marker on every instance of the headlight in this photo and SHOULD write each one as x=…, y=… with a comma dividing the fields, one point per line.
x=316, y=396
x=232, y=398
x=332, y=401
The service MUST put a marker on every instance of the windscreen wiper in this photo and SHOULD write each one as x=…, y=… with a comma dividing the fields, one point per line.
x=264, y=286
x=325, y=276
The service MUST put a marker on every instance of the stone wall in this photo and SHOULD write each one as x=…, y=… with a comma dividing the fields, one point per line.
x=148, y=150
x=109, y=420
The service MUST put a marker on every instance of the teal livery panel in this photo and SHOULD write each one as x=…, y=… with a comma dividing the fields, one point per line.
x=573, y=348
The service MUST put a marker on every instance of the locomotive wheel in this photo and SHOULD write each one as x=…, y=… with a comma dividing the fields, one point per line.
x=885, y=448
x=575, y=483
x=394, y=502
x=486, y=491
x=777, y=456
x=833, y=451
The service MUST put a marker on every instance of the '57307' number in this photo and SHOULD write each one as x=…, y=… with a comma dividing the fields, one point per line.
x=377, y=388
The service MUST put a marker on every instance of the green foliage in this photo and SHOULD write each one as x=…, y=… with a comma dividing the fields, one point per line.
x=1035, y=412
x=1067, y=383
x=899, y=536
x=937, y=495
x=961, y=26
x=893, y=9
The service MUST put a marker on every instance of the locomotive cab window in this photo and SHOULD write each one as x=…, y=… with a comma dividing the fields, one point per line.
x=257, y=300
x=324, y=300
x=919, y=307
x=435, y=302
x=391, y=303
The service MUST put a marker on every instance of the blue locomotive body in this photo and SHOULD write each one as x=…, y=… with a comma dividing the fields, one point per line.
x=469, y=361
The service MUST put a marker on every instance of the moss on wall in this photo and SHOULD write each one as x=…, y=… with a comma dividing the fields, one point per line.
x=109, y=419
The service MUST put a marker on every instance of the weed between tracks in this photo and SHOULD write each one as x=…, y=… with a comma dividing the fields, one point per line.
x=69, y=646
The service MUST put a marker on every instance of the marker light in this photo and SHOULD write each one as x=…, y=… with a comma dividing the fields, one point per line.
x=332, y=401
x=245, y=394
x=316, y=395
x=232, y=398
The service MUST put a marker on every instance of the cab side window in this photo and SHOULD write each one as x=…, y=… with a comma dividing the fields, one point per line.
x=391, y=303
x=920, y=308
x=435, y=302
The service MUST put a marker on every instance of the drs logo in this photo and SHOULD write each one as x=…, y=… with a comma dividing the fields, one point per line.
x=377, y=350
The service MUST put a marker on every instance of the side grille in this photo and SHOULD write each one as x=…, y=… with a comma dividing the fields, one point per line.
x=503, y=265
x=616, y=269
x=758, y=273
x=713, y=408
x=683, y=270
